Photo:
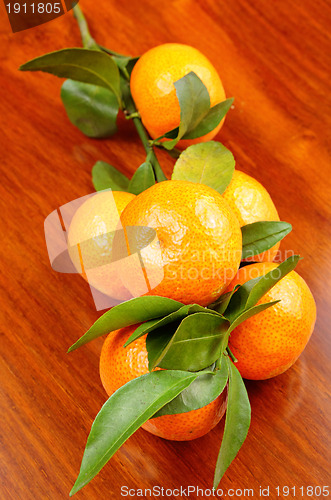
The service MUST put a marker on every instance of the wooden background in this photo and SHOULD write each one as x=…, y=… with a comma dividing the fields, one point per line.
x=273, y=57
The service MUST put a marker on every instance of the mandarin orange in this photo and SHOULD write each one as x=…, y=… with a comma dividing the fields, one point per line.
x=154, y=93
x=251, y=202
x=269, y=343
x=119, y=365
x=90, y=241
x=197, y=249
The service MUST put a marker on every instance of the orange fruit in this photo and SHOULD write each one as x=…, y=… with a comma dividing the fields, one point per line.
x=154, y=93
x=269, y=343
x=90, y=241
x=198, y=243
x=119, y=365
x=251, y=202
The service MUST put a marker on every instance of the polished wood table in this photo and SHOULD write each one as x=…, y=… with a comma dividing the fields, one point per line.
x=273, y=57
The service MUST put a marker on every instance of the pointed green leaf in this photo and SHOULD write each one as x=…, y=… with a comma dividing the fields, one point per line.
x=193, y=99
x=200, y=333
x=211, y=120
x=83, y=65
x=142, y=179
x=157, y=343
x=221, y=304
x=123, y=413
x=125, y=63
x=259, y=237
x=248, y=313
x=205, y=389
x=90, y=108
x=128, y=313
x=266, y=282
x=253, y=290
x=207, y=163
x=105, y=176
x=131, y=64
x=125, y=90
x=150, y=326
x=237, y=422
x=194, y=102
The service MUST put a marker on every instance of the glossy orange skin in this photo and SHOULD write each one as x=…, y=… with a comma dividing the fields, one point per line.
x=154, y=93
x=270, y=342
x=119, y=365
x=199, y=240
x=251, y=202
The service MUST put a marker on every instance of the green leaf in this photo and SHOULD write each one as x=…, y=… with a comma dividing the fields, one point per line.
x=248, y=313
x=211, y=120
x=123, y=413
x=105, y=176
x=253, y=290
x=125, y=91
x=221, y=304
x=237, y=422
x=83, y=65
x=157, y=343
x=195, y=344
x=193, y=99
x=266, y=282
x=128, y=313
x=90, y=108
x=259, y=237
x=208, y=163
x=142, y=179
x=205, y=389
x=194, y=102
x=125, y=63
x=150, y=326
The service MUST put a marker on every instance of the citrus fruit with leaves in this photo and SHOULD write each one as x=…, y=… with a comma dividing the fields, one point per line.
x=189, y=342
x=251, y=202
x=270, y=342
x=90, y=241
x=119, y=365
x=198, y=246
x=188, y=221
x=154, y=93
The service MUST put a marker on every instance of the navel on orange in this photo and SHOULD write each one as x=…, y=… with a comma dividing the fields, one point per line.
x=119, y=365
x=269, y=343
x=153, y=90
x=197, y=250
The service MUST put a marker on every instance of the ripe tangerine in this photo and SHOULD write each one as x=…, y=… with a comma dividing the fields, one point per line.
x=152, y=86
x=251, y=202
x=119, y=365
x=91, y=237
x=270, y=342
x=197, y=250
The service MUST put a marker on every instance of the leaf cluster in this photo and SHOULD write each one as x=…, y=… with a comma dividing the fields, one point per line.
x=96, y=91
x=190, y=343
x=97, y=88
x=197, y=118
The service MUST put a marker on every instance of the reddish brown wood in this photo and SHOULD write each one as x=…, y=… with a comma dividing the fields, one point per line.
x=274, y=59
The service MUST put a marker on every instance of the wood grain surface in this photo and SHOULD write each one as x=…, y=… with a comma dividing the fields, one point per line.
x=274, y=58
